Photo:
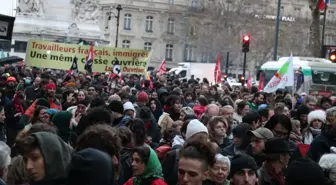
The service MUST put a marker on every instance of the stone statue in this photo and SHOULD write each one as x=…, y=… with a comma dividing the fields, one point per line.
x=34, y=7
x=85, y=10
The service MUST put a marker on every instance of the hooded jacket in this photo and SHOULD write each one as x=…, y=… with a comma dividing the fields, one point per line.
x=56, y=155
x=90, y=167
x=62, y=121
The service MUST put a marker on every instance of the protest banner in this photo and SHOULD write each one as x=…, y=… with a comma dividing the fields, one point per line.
x=106, y=59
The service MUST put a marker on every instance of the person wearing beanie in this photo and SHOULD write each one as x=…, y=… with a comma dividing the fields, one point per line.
x=241, y=141
x=302, y=115
x=62, y=122
x=195, y=127
x=243, y=170
x=129, y=109
x=117, y=109
x=77, y=112
x=91, y=167
x=315, y=120
x=277, y=154
x=194, y=131
x=327, y=139
x=306, y=172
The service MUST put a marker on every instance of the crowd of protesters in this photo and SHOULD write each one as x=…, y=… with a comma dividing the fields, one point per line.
x=89, y=129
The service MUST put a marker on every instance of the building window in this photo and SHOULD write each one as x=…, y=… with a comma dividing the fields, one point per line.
x=193, y=3
x=192, y=30
x=20, y=46
x=5, y=45
x=190, y=54
x=126, y=44
x=127, y=21
x=148, y=46
x=169, y=52
x=170, y=29
x=149, y=24
x=171, y=1
x=328, y=39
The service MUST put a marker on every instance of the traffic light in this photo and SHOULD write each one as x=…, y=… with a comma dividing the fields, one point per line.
x=225, y=77
x=241, y=78
x=332, y=56
x=246, y=43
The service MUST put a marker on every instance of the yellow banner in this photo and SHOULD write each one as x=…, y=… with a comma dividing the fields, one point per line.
x=106, y=59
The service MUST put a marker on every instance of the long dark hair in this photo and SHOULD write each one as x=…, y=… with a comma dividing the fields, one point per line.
x=37, y=112
x=138, y=129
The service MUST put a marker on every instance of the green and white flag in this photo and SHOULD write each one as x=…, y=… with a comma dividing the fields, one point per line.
x=283, y=78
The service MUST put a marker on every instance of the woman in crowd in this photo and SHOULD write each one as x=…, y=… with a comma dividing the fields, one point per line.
x=219, y=172
x=315, y=121
x=242, y=109
x=146, y=168
x=155, y=108
x=218, y=127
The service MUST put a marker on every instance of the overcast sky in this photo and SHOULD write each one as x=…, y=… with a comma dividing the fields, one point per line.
x=7, y=7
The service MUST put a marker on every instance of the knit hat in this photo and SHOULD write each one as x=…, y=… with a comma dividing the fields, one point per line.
x=305, y=171
x=241, y=130
x=142, y=97
x=316, y=114
x=51, y=86
x=240, y=162
x=42, y=102
x=116, y=106
x=128, y=106
x=83, y=102
x=195, y=127
x=11, y=79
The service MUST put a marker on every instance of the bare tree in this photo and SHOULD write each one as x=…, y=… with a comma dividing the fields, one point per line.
x=315, y=42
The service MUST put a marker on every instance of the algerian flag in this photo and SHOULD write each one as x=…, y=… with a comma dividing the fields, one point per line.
x=81, y=43
x=2, y=54
x=283, y=78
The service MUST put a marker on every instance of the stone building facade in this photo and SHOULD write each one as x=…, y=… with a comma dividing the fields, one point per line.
x=177, y=30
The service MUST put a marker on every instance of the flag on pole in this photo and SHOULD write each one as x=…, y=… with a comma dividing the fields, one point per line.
x=249, y=81
x=261, y=82
x=218, y=72
x=81, y=43
x=74, y=67
x=283, y=78
x=162, y=68
x=322, y=4
x=89, y=60
x=2, y=54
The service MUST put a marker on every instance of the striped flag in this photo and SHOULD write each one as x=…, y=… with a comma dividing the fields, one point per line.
x=74, y=67
x=89, y=60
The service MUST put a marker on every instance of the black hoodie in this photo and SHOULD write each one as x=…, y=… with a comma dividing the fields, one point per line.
x=90, y=167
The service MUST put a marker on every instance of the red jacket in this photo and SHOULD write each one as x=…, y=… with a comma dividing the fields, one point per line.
x=154, y=182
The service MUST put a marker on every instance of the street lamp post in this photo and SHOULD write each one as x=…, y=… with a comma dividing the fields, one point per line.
x=119, y=8
x=275, y=53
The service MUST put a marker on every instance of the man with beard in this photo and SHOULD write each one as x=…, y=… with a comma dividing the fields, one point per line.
x=33, y=92
x=10, y=87
x=327, y=139
x=256, y=101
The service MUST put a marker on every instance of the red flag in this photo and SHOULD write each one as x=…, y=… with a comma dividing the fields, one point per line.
x=249, y=81
x=261, y=82
x=218, y=72
x=322, y=4
x=162, y=68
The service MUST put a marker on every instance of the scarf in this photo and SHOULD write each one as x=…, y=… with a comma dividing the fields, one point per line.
x=18, y=107
x=279, y=177
x=153, y=170
x=314, y=131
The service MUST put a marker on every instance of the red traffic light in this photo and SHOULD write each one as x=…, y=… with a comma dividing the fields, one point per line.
x=332, y=56
x=246, y=38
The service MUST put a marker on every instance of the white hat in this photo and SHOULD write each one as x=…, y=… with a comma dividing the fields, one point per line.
x=128, y=106
x=195, y=127
x=303, y=94
x=316, y=114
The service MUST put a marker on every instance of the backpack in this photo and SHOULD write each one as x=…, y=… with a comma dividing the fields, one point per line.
x=177, y=158
x=162, y=151
x=126, y=164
